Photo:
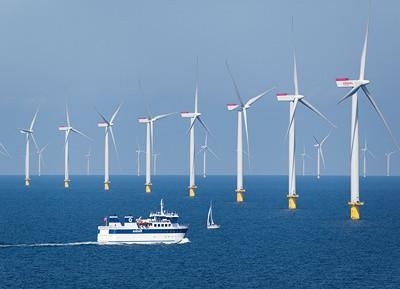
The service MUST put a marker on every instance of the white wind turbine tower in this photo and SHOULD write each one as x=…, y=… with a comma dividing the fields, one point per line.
x=193, y=117
x=67, y=132
x=293, y=100
x=40, y=159
x=149, y=121
x=29, y=134
x=320, y=154
x=155, y=157
x=88, y=156
x=354, y=141
x=138, y=152
x=365, y=150
x=204, y=149
x=242, y=114
x=303, y=160
x=108, y=124
x=388, y=156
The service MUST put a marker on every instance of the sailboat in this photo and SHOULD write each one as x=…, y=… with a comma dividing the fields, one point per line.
x=210, y=221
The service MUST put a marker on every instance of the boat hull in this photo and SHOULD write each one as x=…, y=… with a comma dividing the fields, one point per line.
x=139, y=236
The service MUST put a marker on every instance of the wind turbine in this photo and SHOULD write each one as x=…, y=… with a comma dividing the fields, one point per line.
x=354, y=142
x=204, y=148
x=364, y=151
x=155, y=156
x=108, y=124
x=388, y=156
x=88, y=156
x=242, y=114
x=67, y=131
x=193, y=117
x=293, y=100
x=303, y=160
x=29, y=135
x=138, y=151
x=40, y=159
x=149, y=121
x=320, y=154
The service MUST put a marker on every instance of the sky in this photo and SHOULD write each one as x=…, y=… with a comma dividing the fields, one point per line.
x=92, y=55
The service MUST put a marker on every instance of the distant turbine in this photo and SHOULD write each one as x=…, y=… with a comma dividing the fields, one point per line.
x=242, y=113
x=40, y=159
x=155, y=156
x=364, y=151
x=294, y=100
x=67, y=130
x=138, y=151
x=355, y=86
x=88, y=156
x=29, y=134
x=149, y=121
x=320, y=154
x=108, y=129
x=303, y=160
x=204, y=148
x=388, y=156
x=193, y=117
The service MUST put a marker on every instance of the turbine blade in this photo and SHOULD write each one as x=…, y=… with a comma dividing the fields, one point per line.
x=81, y=133
x=34, y=141
x=310, y=106
x=325, y=138
x=247, y=133
x=33, y=120
x=115, y=113
x=114, y=143
x=372, y=155
x=254, y=99
x=295, y=79
x=196, y=94
x=158, y=117
x=203, y=124
x=364, y=50
x=234, y=83
x=5, y=150
x=296, y=100
x=213, y=153
x=372, y=101
x=66, y=110
x=102, y=117
x=67, y=136
x=322, y=156
x=316, y=140
x=350, y=93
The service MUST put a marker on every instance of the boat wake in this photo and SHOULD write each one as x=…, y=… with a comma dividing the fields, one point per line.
x=184, y=241
x=47, y=244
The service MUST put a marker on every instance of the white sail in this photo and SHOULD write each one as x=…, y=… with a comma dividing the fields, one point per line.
x=210, y=221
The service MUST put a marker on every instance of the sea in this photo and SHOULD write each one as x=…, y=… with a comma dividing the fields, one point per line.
x=48, y=234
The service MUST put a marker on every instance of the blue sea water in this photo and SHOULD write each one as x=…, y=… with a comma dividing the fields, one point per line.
x=260, y=243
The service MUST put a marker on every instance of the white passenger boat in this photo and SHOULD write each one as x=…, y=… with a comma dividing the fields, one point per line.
x=160, y=227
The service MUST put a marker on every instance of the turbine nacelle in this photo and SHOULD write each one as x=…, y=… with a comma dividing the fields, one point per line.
x=190, y=114
x=26, y=131
x=64, y=128
x=103, y=124
x=288, y=97
x=234, y=107
x=345, y=82
x=143, y=120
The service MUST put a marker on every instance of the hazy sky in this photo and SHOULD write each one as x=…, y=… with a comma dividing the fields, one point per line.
x=93, y=53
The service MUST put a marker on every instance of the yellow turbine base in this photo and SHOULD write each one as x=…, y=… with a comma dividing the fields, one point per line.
x=148, y=188
x=27, y=182
x=355, y=210
x=239, y=195
x=66, y=184
x=192, y=192
x=106, y=186
x=292, y=202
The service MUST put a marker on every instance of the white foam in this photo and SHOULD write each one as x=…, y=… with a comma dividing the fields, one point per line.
x=47, y=244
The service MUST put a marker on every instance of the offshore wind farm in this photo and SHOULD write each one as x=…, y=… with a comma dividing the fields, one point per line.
x=178, y=105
